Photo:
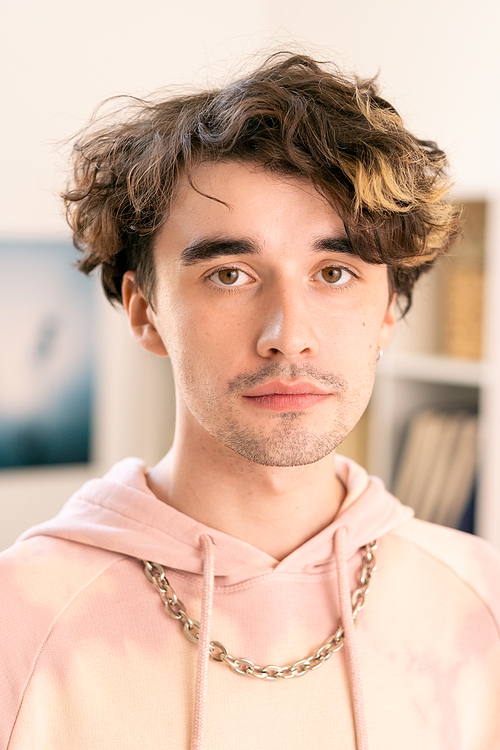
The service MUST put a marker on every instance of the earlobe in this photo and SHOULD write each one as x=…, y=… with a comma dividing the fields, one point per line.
x=141, y=316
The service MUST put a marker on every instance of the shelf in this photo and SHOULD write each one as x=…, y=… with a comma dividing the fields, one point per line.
x=409, y=381
x=436, y=369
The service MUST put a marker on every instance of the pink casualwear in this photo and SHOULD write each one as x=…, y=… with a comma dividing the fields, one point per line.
x=90, y=658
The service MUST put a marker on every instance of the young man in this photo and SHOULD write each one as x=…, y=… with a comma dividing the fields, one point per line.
x=261, y=237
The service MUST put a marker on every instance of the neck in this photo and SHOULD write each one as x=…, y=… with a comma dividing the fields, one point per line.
x=274, y=509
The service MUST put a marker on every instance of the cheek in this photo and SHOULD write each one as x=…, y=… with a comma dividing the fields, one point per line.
x=201, y=344
x=355, y=331
x=352, y=345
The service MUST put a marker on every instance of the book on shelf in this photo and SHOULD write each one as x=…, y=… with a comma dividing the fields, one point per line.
x=462, y=286
x=438, y=465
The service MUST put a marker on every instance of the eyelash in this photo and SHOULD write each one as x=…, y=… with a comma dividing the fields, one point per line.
x=231, y=288
x=346, y=285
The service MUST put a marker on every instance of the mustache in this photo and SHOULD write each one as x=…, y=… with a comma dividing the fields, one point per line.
x=285, y=371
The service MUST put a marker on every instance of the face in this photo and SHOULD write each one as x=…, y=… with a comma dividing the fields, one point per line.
x=271, y=321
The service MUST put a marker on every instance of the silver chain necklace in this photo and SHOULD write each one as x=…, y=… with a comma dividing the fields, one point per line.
x=219, y=653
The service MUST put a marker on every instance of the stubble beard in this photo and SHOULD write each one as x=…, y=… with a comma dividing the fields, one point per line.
x=288, y=443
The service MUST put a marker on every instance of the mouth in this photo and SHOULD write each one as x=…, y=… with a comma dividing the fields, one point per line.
x=282, y=396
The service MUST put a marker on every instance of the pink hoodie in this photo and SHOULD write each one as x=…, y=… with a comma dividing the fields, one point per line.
x=91, y=658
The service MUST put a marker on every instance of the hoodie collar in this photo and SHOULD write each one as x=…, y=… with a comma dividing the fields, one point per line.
x=120, y=513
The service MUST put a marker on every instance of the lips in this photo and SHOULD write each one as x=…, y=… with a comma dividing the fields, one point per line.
x=279, y=396
x=278, y=387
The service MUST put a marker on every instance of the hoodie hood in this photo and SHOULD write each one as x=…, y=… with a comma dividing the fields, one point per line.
x=119, y=513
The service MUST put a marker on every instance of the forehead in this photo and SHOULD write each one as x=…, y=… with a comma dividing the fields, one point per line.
x=245, y=200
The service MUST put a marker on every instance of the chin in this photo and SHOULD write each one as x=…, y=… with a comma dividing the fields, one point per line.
x=298, y=448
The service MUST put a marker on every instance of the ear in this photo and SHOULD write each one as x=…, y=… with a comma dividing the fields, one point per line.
x=388, y=327
x=141, y=316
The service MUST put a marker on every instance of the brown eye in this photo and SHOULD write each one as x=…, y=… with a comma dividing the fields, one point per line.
x=228, y=275
x=332, y=274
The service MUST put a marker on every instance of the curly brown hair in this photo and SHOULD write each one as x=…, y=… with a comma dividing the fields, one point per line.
x=294, y=117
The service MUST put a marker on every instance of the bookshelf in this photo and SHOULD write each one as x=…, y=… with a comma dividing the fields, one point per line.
x=446, y=356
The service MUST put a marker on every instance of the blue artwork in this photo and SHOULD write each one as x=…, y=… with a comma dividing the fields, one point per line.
x=46, y=356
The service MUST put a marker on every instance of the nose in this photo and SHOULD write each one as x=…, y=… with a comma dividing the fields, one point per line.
x=287, y=325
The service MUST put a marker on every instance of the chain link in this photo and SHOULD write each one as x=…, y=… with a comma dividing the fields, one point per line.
x=219, y=653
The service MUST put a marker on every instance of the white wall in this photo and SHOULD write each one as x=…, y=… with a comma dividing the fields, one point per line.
x=439, y=63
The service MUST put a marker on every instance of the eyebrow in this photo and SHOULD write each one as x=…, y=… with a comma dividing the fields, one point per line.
x=336, y=244
x=207, y=249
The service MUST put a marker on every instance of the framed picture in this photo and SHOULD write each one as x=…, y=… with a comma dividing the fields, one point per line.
x=47, y=370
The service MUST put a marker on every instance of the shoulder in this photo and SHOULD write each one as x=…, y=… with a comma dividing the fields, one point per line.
x=466, y=554
x=40, y=561
x=39, y=578
x=456, y=559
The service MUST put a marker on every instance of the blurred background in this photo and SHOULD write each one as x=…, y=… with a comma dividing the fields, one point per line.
x=439, y=63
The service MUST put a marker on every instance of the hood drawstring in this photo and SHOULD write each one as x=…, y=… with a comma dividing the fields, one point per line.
x=350, y=640
x=203, y=642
